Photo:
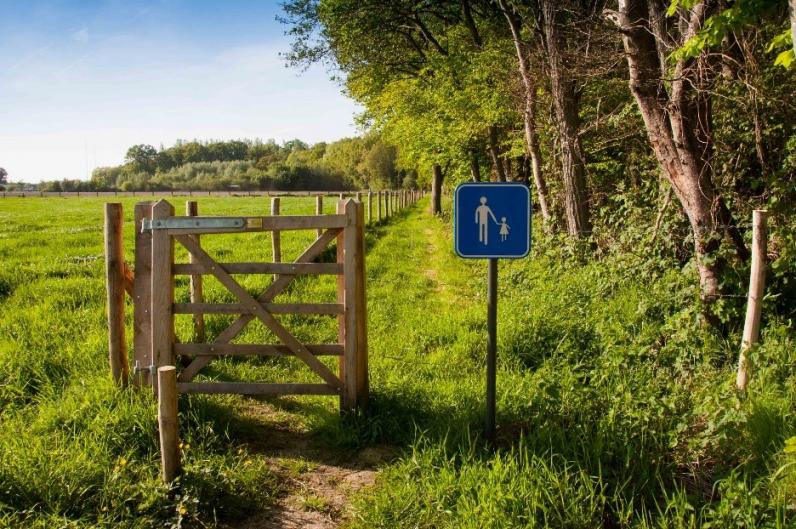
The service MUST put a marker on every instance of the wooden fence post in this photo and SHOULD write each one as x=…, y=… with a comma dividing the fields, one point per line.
x=319, y=211
x=168, y=423
x=754, y=306
x=196, y=290
x=436, y=190
x=370, y=207
x=276, y=238
x=142, y=300
x=114, y=281
x=378, y=206
x=162, y=292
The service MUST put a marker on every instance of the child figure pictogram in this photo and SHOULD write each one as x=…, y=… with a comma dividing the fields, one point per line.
x=504, y=229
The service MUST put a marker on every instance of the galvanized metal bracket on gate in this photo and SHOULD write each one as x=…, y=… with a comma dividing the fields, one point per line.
x=176, y=223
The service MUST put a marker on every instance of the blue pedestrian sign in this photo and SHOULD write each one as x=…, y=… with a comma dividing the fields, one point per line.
x=492, y=220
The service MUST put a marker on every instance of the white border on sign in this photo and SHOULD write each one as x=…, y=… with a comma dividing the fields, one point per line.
x=456, y=219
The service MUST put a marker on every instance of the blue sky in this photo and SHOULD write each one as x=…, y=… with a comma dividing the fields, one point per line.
x=81, y=81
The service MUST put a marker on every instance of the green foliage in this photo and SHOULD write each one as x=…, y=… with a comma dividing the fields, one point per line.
x=719, y=26
x=361, y=162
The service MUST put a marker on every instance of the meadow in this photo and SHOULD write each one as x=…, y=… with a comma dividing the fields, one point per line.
x=616, y=407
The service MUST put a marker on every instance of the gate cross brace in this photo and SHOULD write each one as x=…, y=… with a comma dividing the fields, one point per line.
x=259, y=312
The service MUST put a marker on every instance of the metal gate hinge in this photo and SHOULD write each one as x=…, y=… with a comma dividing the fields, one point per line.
x=192, y=222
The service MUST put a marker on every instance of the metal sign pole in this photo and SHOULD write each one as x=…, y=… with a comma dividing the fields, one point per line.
x=492, y=221
x=491, y=348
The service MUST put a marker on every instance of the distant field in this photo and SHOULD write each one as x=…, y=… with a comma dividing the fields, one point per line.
x=165, y=194
x=615, y=408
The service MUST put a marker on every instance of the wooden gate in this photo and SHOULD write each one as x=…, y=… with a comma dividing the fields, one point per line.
x=158, y=229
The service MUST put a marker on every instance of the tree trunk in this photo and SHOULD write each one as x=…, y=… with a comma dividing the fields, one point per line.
x=522, y=170
x=494, y=152
x=529, y=114
x=678, y=127
x=436, y=190
x=792, y=10
x=475, y=168
x=565, y=103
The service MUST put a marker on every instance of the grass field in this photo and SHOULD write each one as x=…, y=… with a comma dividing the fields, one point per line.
x=615, y=408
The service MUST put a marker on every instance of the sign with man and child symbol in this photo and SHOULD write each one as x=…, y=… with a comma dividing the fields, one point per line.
x=492, y=220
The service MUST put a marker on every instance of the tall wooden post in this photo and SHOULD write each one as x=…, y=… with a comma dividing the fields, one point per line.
x=114, y=281
x=341, y=319
x=197, y=294
x=162, y=292
x=754, y=306
x=436, y=190
x=168, y=424
x=276, y=239
x=370, y=207
x=378, y=206
x=355, y=333
x=142, y=299
x=319, y=211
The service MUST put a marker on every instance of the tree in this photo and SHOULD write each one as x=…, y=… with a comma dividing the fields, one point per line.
x=142, y=157
x=3, y=176
x=677, y=115
x=529, y=111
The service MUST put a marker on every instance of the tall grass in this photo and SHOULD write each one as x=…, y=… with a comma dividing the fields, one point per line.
x=616, y=408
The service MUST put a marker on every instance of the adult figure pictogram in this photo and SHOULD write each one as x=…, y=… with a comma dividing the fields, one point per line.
x=482, y=214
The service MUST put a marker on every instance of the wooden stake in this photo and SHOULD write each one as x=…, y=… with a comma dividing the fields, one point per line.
x=754, y=306
x=197, y=294
x=276, y=240
x=114, y=280
x=142, y=300
x=378, y=205
x=168, y=423
x=319, y=211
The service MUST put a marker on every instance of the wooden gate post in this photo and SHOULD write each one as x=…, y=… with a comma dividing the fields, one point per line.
x=362, y=383
x=142, y=300
x=341, y=319
x=196, y=290
x=168, y=423
x=354, y=372
x=114, y=280
x=757, y=284
x=162, y=293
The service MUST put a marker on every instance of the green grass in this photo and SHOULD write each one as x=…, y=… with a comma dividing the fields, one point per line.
x=615, y=408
